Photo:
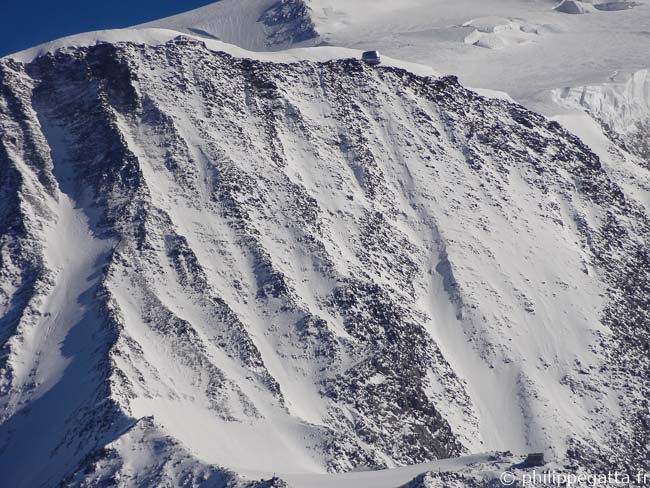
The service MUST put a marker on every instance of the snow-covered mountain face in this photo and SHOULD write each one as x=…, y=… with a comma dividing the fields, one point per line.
x=522, y=47
x=532, y=50
x=213, y=263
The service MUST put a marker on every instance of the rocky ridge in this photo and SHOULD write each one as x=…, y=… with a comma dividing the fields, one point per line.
x=381, y=269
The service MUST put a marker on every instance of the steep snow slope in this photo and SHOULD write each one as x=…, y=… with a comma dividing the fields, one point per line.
x=257, y=25
x=627, y=168
x=575, y=7
x=303, y=267
x=621, y=106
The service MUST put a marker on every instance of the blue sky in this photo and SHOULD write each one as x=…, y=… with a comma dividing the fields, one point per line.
x=25, y=23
